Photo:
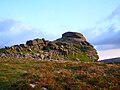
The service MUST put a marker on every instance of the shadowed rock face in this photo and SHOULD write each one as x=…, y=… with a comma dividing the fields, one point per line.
x=34, y=42
x=72, y=46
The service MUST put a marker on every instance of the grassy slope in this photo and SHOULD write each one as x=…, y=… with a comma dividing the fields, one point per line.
x=18, y=74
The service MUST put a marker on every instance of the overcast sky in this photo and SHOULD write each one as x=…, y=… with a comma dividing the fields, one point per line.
x=98, y=20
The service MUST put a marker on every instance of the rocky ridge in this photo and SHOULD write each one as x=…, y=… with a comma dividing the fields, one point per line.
x=71, y=46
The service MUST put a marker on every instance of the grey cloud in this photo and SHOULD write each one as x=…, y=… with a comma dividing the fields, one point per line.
x=13, y=32
x=106, y=34
x=6, y=24
x=110, y=36
x=107, y=47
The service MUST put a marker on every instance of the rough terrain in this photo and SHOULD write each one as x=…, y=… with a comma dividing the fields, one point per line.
x=33, y=74
x=71, y=46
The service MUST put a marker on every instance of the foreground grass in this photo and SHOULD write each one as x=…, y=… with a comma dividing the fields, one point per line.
x=25, y=74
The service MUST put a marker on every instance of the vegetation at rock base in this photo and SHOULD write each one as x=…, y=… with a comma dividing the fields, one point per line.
x=33, y=74
x=71, y=46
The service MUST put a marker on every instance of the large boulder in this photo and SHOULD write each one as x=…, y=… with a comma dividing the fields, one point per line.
x=77, y=46
x=39, y=41
x=35, y=42
x=73, y=35
x=31, y=42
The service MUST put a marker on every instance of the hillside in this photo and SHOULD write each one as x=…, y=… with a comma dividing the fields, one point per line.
x=111, y=60
x=71, y=46
x=33, y=74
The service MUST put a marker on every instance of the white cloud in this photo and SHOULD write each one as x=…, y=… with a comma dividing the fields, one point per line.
x=106, y=33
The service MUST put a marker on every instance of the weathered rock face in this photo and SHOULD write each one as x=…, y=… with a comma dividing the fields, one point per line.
x=77, y=46
x=73, y=35
x=35, y=42
x=72, y=46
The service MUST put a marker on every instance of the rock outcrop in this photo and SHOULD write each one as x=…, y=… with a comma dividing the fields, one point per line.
x=73, y=35
x=72, y=46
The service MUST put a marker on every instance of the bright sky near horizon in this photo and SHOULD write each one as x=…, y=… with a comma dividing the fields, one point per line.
x=98, y=20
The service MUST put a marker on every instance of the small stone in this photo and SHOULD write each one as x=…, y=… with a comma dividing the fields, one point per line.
x=33, y=85
x=44, y=88
x=3, y=55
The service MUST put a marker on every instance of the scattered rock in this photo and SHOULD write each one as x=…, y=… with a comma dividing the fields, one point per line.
x=29, y=49
x=23, y=45
x=72, y=46
x=31, y=42
x=39, y=41
x=34, y=84
x=44, y=88
x=3, y=55
x=42, y=56
x=52, y=45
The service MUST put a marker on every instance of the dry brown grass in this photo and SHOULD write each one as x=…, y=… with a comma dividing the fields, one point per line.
x=18, y=74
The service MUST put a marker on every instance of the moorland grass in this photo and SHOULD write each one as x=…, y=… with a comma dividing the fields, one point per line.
x=18, y=74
